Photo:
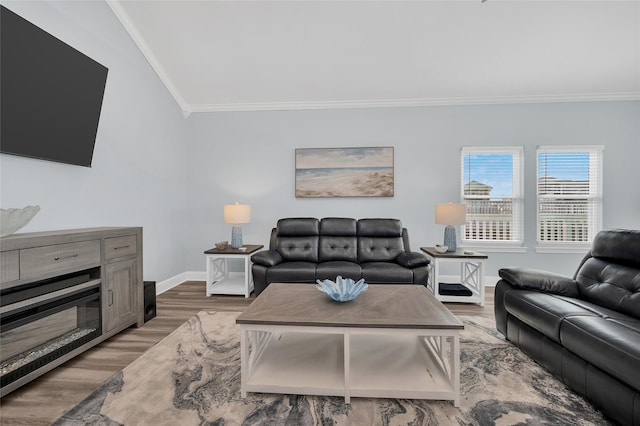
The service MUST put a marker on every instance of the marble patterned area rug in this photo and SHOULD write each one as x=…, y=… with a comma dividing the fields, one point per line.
x=192, y=377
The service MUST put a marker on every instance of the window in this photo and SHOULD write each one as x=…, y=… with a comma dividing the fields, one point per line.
x=492, y=191
x=569, y=192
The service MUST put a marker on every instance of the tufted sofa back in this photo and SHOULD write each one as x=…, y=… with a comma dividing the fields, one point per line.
x=297, y=239
x=339, y=239
x=610, y=273
x=380, y=240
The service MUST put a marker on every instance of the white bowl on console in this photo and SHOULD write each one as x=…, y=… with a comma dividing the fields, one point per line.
x=11, y=220
x=441, y=249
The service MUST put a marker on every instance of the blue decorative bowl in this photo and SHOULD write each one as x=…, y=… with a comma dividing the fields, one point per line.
x=343, y=290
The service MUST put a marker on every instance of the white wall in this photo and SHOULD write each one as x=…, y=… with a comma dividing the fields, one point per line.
x=171, y=175
x=138, y=176
x=249, y=157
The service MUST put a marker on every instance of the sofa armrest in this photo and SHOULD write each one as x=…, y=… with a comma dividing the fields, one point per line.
x=412, y=259
x=547, y=282
x=267, y=258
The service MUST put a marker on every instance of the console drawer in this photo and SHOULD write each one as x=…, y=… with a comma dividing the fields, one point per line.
x=120, y=247
x=41, y=261
x=9, y=266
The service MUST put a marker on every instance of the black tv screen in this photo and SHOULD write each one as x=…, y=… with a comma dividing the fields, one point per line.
x=50, y=94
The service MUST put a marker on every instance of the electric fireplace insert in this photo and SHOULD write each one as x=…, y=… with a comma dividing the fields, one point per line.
x=43, y=321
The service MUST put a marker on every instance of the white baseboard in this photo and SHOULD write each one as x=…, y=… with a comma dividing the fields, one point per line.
x=176, y=280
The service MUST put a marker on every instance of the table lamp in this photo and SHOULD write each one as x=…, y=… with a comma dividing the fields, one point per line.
x=236, y=214
x=450, y=214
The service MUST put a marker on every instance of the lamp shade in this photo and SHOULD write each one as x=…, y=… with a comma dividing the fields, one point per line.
x=237, y=213
x=451, y=214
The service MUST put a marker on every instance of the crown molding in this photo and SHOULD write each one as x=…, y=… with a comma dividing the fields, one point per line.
x=187, y=109
x=139, y=40
x=418, y=102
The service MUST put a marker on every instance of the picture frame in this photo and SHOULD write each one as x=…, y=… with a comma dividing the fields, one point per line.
x=344, y=172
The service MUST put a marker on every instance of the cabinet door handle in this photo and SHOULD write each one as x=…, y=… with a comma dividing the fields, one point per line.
x=110, y=297
x=121, y=247
x=65, y=257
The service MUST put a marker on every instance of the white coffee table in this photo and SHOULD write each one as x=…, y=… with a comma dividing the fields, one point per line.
x=393, y=341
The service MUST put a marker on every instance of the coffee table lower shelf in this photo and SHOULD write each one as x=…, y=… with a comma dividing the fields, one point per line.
x=351, y=362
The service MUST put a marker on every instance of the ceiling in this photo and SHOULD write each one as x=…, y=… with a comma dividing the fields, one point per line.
x=278, y=55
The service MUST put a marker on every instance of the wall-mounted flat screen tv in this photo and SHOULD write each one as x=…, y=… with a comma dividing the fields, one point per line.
x=50, y=94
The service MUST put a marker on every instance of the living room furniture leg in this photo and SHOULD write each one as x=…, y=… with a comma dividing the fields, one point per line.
x=454, y=362
x=471, y=280
x=244, y=361
x=472, y=276
x=216, y=272
x=221, y=279
x=347, y=363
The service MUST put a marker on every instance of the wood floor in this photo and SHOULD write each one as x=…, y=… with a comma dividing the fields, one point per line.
x=51, y=395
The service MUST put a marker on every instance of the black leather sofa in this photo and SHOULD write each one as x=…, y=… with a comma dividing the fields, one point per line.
x=302, y=250
x=586, y=329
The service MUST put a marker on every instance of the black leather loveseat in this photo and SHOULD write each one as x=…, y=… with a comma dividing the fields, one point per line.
x=585, y=329
x=302, y=250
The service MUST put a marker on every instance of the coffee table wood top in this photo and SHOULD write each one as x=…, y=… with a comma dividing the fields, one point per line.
x=380, y=306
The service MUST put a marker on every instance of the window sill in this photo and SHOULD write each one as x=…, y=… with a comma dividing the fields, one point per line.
x=495, y=248
x=581, y=249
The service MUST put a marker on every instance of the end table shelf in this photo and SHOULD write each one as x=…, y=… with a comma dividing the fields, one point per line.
x=471, y=274
x=221, y=279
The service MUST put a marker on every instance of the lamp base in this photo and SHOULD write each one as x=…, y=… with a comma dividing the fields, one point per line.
x=236, y=236
x=450, y=238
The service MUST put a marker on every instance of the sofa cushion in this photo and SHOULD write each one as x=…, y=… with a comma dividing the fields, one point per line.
x=267, y=258
x=294, y=249
x=301, y=272
x=607, y=344
x=379, y=228
x=298, y=227
x=379, y=249
x=379, y=240
x=412, y=259
x=534, y=279
x=594, y=308
x=338, y=239
x=297, y=239
x=338, y=226
x=330, y=270
x=383, y=272
x=338, y=248
x=614, y=286
x=541, y=311
x=618, y=246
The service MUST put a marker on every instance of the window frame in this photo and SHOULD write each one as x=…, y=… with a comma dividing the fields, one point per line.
x=594, y=224
x=516, y=244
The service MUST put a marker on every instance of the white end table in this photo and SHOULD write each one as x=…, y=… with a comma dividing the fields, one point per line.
x=471, y=274
x=220, y=279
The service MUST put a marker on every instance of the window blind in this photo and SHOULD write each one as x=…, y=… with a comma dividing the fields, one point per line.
x=569, y=194
x=492, y=191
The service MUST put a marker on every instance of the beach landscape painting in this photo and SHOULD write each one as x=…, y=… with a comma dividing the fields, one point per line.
x=344, y=172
